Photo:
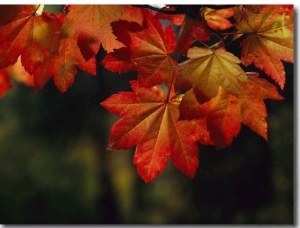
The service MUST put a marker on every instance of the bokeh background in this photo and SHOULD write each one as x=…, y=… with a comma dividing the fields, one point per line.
x=55, y=169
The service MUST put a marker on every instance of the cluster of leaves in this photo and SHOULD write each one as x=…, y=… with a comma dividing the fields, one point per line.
x=190, y=89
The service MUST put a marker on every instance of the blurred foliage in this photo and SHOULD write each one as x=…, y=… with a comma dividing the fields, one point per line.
x=55, y=168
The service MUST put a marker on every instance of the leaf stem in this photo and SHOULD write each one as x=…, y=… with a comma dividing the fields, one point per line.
x=231, y=33
x=37, y=8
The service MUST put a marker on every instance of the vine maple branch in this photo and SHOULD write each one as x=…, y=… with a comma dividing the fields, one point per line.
x=218, y=95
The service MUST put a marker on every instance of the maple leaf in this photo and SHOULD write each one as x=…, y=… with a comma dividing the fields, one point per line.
x=64, y=65
x=91, y=25
x=207, y=69
x=28, y=34
x=224, y=120
x=191, y=109
x=226, y=112
x=253, y=109
x=217, y=19
x=120, y=60
x=249, y=109
x=151, y=123
x=42, y=73
x=148, y=48
x=9, y=12
x=269, y=38
x=190, y=30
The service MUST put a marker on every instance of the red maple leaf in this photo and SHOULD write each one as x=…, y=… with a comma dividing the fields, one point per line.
x=151, y=122
x=189, y=31
x=91, y=25
x=191, y=109
x=148, y=50
x=224, y=120
x=35, y=38
x=9, y=13
x=269, y=38
x=226, y=112
x=64, y=65
x=29, y=35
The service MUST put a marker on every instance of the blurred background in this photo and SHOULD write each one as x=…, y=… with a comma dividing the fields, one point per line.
x=55, y=168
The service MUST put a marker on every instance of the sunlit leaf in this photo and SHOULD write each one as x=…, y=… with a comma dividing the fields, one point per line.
x=151, y=123
x=217, y=19
x=207, y=69
x=91, y=24
x=148, y=48
x=270, y=38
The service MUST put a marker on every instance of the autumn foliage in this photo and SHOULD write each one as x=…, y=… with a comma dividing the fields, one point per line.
x=191, y=88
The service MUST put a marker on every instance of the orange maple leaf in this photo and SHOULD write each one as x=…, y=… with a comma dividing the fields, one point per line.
x=253, y=109
x=91, y=24
x=148, y=50
x=207, y=69
x=28, y=34
x=224, y=120
x=269, y=38
x=151, y=123
x=217, y=19
x=226, y=112
x=64, y=65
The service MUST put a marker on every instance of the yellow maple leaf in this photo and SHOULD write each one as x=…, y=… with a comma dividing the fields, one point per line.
x=207, y=69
